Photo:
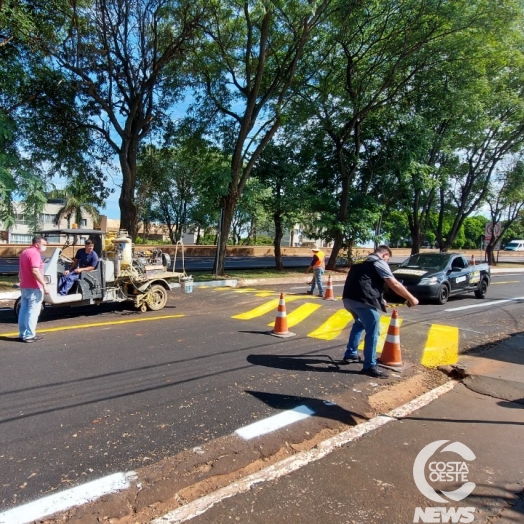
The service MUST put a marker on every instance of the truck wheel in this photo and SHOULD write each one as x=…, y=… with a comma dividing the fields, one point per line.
x=443, y=294
x=482, y=289
x=158, y=298
x=16, y=307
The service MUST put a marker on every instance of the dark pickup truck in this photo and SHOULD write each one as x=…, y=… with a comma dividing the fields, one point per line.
x=437, y=276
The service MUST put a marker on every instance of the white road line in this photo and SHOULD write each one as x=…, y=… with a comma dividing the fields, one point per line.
x=485, y=304
x=70, y=498
x=273, y=423
x=290, y=464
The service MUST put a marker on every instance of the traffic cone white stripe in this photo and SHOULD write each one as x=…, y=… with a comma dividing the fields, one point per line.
x=281, y=314
x=394, y=339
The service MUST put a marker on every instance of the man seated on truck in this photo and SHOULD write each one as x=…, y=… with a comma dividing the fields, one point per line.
x=85, y=259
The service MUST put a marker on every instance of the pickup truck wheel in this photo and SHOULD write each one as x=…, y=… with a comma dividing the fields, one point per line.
x=443, y=294
x=157, y=298
x=482, y=289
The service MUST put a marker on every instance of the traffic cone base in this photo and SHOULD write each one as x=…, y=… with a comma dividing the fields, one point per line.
x=329, y=295
x=391, y=354
x=280, y=328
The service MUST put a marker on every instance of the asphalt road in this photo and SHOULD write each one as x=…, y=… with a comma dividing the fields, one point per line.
x=110, y=389
x=10, y=265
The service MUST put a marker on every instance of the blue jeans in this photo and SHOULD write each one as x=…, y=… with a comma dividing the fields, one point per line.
x=366, y=319
x=30, y=306
x=66, y=282
x=317, y=280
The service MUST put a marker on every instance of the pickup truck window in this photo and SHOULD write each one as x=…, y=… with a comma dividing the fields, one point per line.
x=458, y=263
x=425, y=261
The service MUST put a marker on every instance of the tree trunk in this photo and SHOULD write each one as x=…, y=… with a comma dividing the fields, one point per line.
x=279, y=233
x=128, y=208
x=337, y=245
x=228, y=210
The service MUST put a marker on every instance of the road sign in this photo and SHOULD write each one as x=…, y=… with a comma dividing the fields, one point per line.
x=493, y=230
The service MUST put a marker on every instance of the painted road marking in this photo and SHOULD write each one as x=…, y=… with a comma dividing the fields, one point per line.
x=245, y=290
x=299, y=314
x=333, y=326
x=507, y=282
x=266, y=294
x=68, y=499
x=299, y=460
x=263, y=309
x=485, y=304
x=384, y=326
x=273, y=423
x=97, y=324
x=442, y=346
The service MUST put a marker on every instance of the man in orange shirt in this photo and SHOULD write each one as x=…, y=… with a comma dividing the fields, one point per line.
x=318, y=266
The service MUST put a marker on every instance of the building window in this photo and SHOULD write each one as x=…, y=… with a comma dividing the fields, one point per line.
x=47, y=218
x=21, y=239
x=19, y=219
x=83, y=222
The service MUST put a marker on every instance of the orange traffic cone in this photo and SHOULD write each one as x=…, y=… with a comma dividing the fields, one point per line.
x=280, y=328
x=390, y=356
x=329, y=295
x=472, y=263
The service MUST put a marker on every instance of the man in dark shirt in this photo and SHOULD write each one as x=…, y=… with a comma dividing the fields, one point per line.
x=86, y=259
x=362, y=297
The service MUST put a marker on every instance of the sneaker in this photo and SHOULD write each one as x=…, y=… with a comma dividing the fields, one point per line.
x=350, y=360
x=309, y=292
x=374, y=372
x=321, y=296
x=34, y=339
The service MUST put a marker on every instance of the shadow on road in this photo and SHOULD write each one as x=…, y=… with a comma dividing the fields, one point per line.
x=320, y=408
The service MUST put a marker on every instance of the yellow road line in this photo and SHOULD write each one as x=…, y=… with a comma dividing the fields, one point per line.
x=333, y=325
x=245, y=290
x=267, y=294
x=222, y=288
x=507, y=282
x=263, y=309
x=442, y=346
x=384, y=326
x=97, y=324
x=297, y=316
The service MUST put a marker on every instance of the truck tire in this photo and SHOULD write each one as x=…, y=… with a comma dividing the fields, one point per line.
x=443, y=294
x=482, y=289
x=16, y=307
x=158, y=298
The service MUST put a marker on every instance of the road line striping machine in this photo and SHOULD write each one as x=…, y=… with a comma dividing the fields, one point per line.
x=123, y=274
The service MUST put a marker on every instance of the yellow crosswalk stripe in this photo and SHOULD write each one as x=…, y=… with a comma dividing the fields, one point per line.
x=266, y=294
x=245, y=290
x=442, y=346
x=333, y=326
x=384, y=326
x=263, y=309
x=299, y=314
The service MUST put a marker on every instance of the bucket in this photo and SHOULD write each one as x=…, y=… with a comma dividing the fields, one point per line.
x=186, y=283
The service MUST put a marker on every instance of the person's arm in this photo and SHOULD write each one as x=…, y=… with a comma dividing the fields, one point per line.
x=71, y=267
x=400, y=290
x=39, y=277
x=315, y=258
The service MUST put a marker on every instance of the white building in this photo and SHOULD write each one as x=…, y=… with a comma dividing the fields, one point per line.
x=20, y=234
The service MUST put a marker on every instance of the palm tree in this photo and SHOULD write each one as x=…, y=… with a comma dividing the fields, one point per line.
x=78, y=200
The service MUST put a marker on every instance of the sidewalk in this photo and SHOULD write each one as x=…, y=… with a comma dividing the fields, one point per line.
x=366, y=475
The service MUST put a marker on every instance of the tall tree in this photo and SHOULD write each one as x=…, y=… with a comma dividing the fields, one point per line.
x=115, y=55
x=246, y=67
x=373, y=53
